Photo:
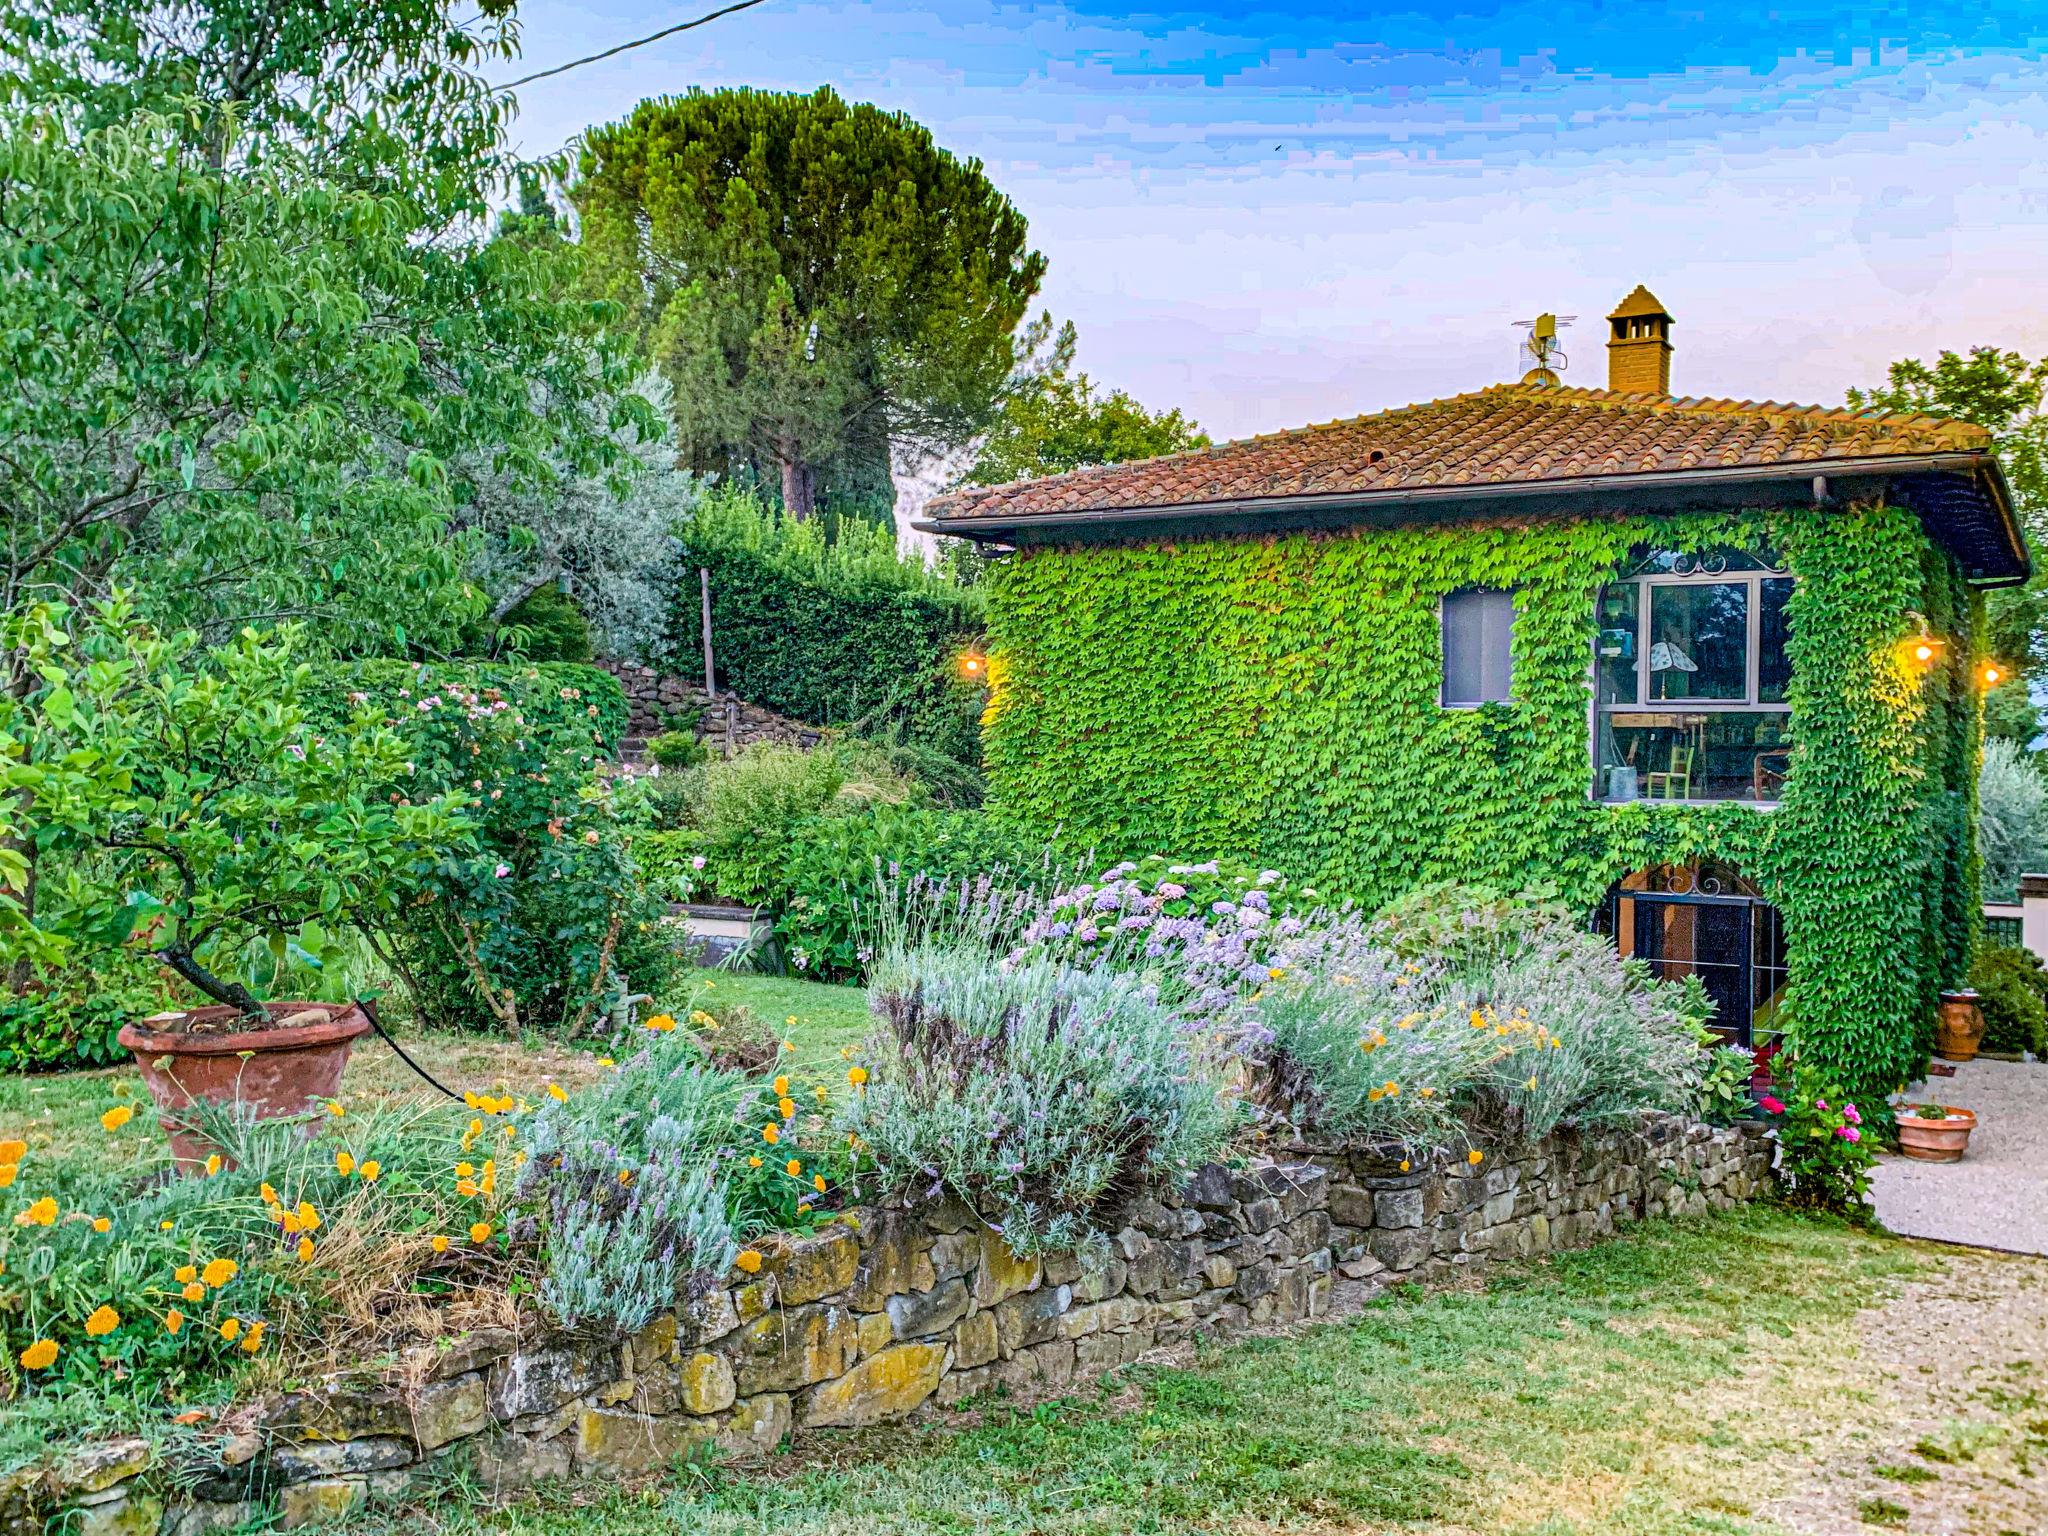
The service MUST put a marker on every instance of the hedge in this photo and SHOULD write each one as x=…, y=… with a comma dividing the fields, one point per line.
x=829, y=630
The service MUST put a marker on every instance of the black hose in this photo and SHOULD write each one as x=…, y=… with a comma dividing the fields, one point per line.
x=369, y=1008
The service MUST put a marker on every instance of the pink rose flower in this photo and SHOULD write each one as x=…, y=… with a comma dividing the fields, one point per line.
x=1771, y=1105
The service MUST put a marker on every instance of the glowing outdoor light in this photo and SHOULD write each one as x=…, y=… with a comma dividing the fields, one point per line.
x=1924, y=651
x=1991, y=676
x=973, y=665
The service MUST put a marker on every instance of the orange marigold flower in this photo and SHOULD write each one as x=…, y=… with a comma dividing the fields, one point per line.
x=305, y=1250
x=269, y=1195
x=39, y=1356
x=857, y=1075
x=344, y=1164
x=625, y=1177
x=370, y=1170
x=1475, y=1157
x=749, y=1260
x=480, y=1232
x=117, y=1117
x=103, y=1321
x=253, y=1339
x=555, y=1092
x=39, y=1214
x=174, y=1320
x=662, y=1023
x=308, y=1217
x=440, y=1243
x=334, y=1107
x=219, y=1272
x=771, y=1134
x=786, y=1108
x=466, y=1188
x=212, y=1164
x=818, y=1182
x=231, y=1328
x=782, y=1087
x=102, y=1224
x=753, y=1162
x=793, y=1168
x=7, y=1174
x=13, y=1150
x=193, y=1291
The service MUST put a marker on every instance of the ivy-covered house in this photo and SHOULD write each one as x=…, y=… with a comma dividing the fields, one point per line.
x=1709, y=669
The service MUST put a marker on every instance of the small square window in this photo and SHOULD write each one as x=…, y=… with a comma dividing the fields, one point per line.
x=1478, y=629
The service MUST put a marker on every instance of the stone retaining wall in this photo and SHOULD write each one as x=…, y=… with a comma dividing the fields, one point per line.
x=893, y=1312
x=725, y=724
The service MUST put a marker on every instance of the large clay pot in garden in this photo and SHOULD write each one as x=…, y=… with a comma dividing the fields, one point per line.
x=1960, y=1028
x=275, y=1072
x=1935, y=1141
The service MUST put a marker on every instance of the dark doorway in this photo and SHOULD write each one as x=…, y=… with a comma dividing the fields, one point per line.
x=1706, y=921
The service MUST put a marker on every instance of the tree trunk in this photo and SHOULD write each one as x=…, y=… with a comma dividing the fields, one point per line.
x=180, y=959
x=799, y=483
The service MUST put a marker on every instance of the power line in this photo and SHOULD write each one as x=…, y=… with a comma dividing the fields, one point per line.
x=638, y=42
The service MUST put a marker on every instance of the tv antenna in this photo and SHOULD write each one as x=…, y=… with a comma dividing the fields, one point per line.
x=1542, y=358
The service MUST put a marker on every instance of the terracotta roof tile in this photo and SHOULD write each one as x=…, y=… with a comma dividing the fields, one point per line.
x=1506, y=434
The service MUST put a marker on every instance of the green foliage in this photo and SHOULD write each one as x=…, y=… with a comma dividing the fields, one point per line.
x=1045, y=1096
x=671, y=862
x=1725, y=1085
x=831, y=624
x=532, y=925
x=234, y=263
x=2012, y=990
x=867, y=282
x=676, y=749
x=1824, y=1159
x=41, y=1033
x=1277, y=700
x=833, y=871
x=218, y=813
x=579, y=709
x=2012, y=818
x=1055, y=421
x=548, y=626
x=2001, y=391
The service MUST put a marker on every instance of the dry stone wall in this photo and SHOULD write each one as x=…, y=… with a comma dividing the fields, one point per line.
x=893, y=1312
x=725, y=724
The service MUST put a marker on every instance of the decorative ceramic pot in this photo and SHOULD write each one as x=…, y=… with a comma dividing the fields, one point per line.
x=1936, y=1141
x=1961, y=1026
x=276, y=1072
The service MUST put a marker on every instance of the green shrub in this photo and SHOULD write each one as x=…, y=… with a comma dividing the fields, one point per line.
x=746, y=806
x=548, y=626
x=2012, y=817
x=2012, y=990
x=572, y=705
x=1046, y=1096
x=832, y=871
x=671, y=862
x=829, y=623
x=1824, y=1158
x=44, y=1033
x=534, y=927
x=676, y=749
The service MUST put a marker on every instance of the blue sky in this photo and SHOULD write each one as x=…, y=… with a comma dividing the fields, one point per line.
x=1273, y=216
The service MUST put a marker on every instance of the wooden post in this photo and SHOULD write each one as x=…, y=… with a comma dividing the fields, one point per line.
x=710, y=676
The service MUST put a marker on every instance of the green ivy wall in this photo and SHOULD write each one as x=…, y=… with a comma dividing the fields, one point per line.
x=1275, y=698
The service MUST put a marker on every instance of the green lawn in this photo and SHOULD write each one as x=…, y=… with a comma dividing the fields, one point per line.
x=59, y=1111
x=1653, y=1386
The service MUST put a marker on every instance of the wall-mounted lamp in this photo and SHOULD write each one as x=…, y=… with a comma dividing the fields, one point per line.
x=1991, y=675
x=973, y=666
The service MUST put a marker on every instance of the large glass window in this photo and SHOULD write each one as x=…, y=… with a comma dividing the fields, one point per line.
x=1690, y=671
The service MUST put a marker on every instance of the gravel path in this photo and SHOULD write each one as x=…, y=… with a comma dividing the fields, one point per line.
x=1997, y=1196
x=1943, y=1427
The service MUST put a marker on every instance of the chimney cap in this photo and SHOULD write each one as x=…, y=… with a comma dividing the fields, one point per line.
x=1639, y=302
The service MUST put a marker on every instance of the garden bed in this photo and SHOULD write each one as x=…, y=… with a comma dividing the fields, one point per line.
x=889, y=1310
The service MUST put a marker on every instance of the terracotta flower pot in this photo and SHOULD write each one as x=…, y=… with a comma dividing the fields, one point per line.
x=274, y=1072
x=1936, y=1141
x=1960, y=1028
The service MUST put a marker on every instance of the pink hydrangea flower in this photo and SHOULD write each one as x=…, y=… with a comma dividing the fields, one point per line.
x=1849, y=1114
x=1849, y=1133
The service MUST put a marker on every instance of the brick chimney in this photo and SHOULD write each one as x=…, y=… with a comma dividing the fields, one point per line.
x=1639, y=346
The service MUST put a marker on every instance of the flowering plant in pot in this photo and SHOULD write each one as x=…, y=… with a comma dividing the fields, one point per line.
x=203, y=817
x=1935, y=1133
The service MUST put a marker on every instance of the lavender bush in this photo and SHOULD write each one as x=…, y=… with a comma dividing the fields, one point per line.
x=626, y=1179
x=1044, y=1094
